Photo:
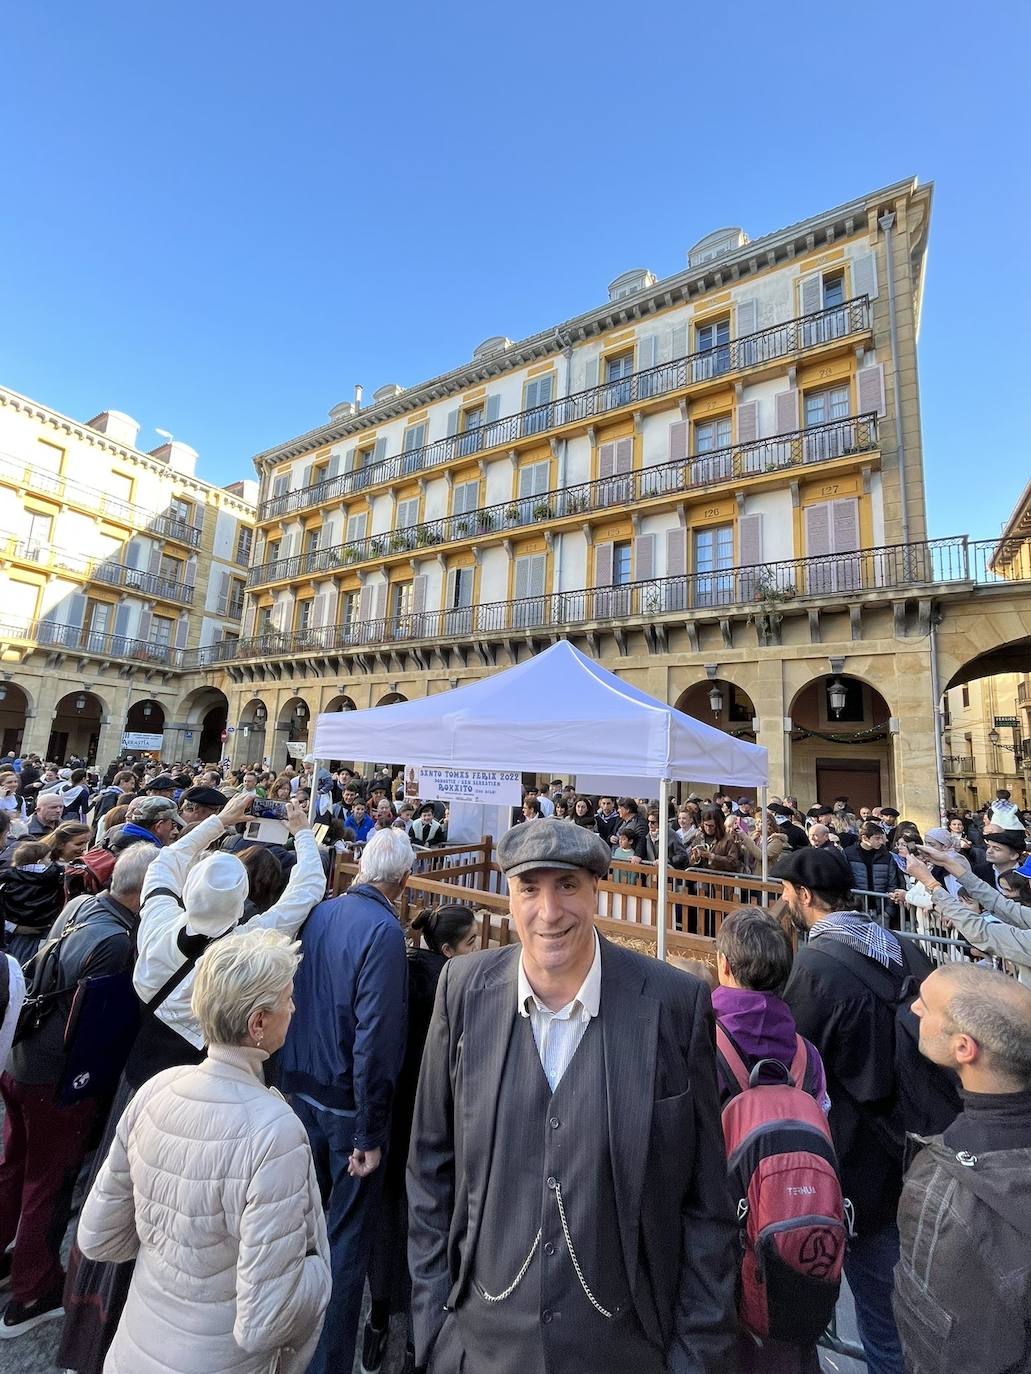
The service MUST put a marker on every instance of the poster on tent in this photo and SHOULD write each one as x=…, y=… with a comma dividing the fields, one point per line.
x=485, y=786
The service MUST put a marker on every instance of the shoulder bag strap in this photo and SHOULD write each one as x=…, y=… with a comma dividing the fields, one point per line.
x=799, y=1069
x=730, y=1062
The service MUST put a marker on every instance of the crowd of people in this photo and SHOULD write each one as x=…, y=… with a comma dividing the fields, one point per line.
x=558, y=1154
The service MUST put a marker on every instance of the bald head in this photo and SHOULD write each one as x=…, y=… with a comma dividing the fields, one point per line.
x=978, y=1022
x=819, y=835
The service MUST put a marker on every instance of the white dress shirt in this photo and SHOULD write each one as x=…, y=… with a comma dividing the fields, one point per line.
x=557, y=1034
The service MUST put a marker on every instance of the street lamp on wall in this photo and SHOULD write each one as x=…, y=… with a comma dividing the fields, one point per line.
x=80, y=702
x=259, y=712
x=716, y=700
x=300, y=710
x=994, y=737
x=837, y=695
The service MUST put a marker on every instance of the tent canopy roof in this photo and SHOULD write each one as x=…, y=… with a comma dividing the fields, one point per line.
x=560, y=712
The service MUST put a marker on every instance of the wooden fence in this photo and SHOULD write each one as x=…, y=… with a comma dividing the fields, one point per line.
x=697, y=899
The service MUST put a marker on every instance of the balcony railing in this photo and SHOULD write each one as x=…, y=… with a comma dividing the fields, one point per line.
x=754, y=350
x=54, y=559
x=693, y=596
x=77, y=639
x=229, y=606
x=169, y=527
x=800, y=448
x=954, y=764
x=14, y=469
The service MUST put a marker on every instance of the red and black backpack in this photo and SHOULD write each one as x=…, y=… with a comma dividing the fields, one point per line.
x=783, y=1174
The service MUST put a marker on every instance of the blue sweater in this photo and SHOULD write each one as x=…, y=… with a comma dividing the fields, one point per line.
x=346, y=1042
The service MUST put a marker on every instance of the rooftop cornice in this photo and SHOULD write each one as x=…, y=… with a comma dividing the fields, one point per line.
x=787, y=242
x=104, y=441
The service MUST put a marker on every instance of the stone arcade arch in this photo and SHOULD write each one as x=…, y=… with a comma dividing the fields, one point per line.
x=735, y=714
x=845, y=751
x=15, y=706
x=75, y=731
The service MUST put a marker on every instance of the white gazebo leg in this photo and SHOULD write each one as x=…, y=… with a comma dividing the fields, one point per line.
x=661, y=912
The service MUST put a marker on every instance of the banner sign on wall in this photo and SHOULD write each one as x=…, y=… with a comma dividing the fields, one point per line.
x=296, y=749
x=133, y=739
x=485, y=786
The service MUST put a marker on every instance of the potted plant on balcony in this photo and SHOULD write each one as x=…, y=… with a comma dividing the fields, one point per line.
x=486, y=521
x=398, y=543
x=461, y=529
x=768, y=596
x=542, y=510
x=375, y=547
x=512, y=515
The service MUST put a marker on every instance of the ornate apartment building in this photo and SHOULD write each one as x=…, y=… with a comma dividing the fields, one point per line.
x=115, y=566
x=712, y=483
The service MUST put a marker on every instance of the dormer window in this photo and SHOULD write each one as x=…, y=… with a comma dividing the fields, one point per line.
x=716, y=245
x=637, y=279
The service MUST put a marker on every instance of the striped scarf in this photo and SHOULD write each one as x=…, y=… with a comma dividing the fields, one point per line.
x=866, y=936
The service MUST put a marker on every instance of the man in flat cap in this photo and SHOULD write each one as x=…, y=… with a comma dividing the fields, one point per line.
x=568, y=1207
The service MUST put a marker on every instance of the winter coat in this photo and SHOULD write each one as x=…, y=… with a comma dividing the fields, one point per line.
x=31, y=901
x=346, y=1042
x=162, y=918
x=873, y=870
x=678, y=857
x=211, y=1187
x=963, y=1280
x=761, y=1025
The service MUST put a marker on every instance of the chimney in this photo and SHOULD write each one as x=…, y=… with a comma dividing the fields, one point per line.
x=179, y=457
x=118, y=426
x=357, y=397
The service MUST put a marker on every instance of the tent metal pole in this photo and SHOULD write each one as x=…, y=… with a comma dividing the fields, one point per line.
x=314, y=799
x=662, y=914
x=764, y=793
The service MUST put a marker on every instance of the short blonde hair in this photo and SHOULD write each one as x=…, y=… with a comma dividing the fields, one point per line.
x=237, y=976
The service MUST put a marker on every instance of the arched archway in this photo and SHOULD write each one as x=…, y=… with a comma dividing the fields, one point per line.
x=75, y=732
x=252, y=731
x=292, y=725
x=204, y=714
x=841, y=743
x=14, y=708
x=726, y=707
x=340, y=703
x=391, y=699
x=986, y=728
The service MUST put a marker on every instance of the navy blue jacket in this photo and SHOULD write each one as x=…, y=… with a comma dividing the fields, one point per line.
x=346, y=1042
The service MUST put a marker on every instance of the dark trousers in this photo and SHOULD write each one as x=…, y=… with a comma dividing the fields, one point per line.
x=870, y=1270
x=351, y=1209
x=44, y=1146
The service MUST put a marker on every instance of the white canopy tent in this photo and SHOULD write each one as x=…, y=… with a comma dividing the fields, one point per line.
x=557, y=712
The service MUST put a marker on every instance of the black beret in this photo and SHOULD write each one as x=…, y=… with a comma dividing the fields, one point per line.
x=205, y=796
x=823, y=869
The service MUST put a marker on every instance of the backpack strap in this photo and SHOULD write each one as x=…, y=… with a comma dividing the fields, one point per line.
x=799, y=1068
x=731, y=1063
x=166, y=892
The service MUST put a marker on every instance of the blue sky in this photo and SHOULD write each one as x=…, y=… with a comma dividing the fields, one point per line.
x=219, y=217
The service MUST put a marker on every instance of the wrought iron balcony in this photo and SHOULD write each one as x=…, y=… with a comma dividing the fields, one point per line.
x=762, y=587
x=52, y=558
x=169, y=527
x=146, y=583
x=79, y=640
x=800, y=448
x=766, y=346
x=957, y=764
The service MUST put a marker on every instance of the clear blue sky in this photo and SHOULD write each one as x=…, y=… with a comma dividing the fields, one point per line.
x=220, y=216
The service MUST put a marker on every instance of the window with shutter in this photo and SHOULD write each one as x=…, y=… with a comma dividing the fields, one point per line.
x=379, y=451
x=750, y=552
x=466, y=498
x=747, y=323
x=407, y=513
x=458, y=614
x=418, y=603
x=537, y=407
x=454, y=418
x=748, y=433
x=829, y=409
x=712, y=343
x=356, y=525
x=678, y=342
x=590, y=376
x=534, y=482
x=678, y=442
x=864, y=275
x=379, y=606
x=713, y=561
x=787, y=410
x=811, y=294
x=414, y=437
x=365, y=603
x=648, y=382
x=644, y=557
x=832, y=529
x=870, y=389
x=493, y=411
x=530, y=572
x=281, y=484
x=713, y=437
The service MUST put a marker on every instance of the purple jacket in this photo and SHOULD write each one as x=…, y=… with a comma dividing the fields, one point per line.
x=762, y=1027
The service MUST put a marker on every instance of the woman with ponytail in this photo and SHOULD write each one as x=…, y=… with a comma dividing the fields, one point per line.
x=447, y=931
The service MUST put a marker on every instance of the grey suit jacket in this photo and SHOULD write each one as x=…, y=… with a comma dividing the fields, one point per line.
x=676, y=1224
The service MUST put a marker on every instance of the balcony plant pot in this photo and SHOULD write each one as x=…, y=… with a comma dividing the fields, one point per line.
x=542, y=511
x=486, y=522
x=512, y=515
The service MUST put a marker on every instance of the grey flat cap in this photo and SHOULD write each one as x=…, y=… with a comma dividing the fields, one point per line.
x=552, y=843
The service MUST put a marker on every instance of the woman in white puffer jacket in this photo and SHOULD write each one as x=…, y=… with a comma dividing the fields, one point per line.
x=210, y=1185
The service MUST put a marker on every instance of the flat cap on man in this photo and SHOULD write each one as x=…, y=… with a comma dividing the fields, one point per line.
x=150, y=809
x=552, y=843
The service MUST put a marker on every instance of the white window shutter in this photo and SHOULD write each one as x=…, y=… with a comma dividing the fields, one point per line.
x=493, y=408
x=306, y=476
x=452, y=422
x=678, y=442
x=591, y=374
x=750, y=540
x=747, y=317
x=76, y=610
x=748, y=422
x=538, y=568
x=132, y=554
x=844, y=519
x=676, y=552
x=606, y=460
x=647, y=352
x=419, y=595
x=787, y=410
x=350, y=458
x=380, y=451
x=191, y=572
x=678, y=344
x=818, y=530
x=864, y=275
x=380, y=605
x=522, y=578
x=332, y=605
x=811, y=293
x=334, y=464
x=122, y=620
x=365, y=602
x=644, y=558
x=624, y=459
x=223, y=592
x=144, y=630
x=155, y=558
x=182, y=629
x=870, y=389
x=248, y=620
x=603, y=565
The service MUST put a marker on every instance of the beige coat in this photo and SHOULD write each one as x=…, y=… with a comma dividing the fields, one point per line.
x=210, y=1185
